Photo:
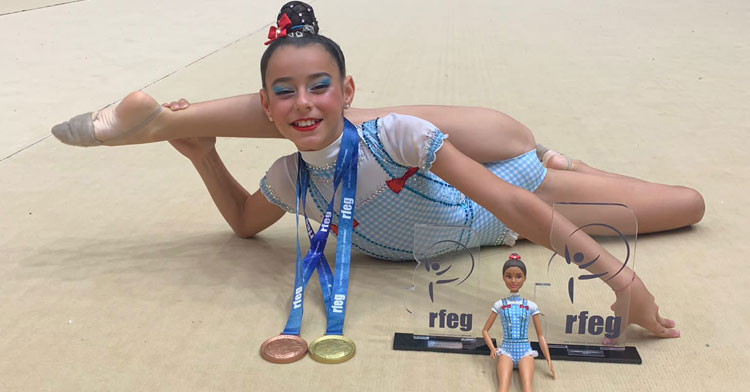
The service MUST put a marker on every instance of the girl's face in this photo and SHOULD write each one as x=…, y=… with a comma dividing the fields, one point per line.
x=514, y=278
x=305, y=95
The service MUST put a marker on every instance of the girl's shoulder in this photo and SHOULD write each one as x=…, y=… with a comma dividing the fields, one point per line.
x=409, y=141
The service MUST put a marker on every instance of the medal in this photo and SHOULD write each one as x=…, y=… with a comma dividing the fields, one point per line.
x=332, y=349
x=289, y=346
x=283, y=349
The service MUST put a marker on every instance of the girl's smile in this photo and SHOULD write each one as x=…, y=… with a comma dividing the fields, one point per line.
x=306, y=124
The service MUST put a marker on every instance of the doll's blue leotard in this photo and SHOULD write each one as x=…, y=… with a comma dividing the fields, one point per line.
x=396, y=190
x=514, y=313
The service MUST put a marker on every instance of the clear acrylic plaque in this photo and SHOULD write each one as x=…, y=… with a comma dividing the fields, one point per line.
x=575, y=297
x=442, y=304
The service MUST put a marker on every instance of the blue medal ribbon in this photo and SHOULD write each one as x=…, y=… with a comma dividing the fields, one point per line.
x=337, y=312
x=334, y=293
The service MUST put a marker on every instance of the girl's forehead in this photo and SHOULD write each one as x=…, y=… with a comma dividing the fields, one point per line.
x=291, y=60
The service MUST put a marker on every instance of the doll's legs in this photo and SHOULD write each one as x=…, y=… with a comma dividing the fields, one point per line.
x=526, y=371
x=504, y=371
x=657, y=207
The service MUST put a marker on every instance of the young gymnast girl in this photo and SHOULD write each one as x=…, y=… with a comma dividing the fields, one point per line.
x=408, y=172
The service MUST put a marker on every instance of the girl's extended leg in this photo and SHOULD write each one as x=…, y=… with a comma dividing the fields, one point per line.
x=526, y=371
x=504, y=371
x=239, y=116
x=485, y=135
x=469, y=128
x=561, y=162
x=657, y=207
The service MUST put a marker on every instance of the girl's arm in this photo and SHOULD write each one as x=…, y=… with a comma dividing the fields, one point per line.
x=486, y=334
x=543, y=343
x=247, y=214
x=519, y=209
x=529, y=216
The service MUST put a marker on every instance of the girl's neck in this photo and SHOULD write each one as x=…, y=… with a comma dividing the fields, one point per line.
x=326, y=155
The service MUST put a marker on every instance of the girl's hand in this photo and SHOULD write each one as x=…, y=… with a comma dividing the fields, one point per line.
x=194, y=148
x=643, y=311
x=551, y=369
x=493, y=353
x=176, y=106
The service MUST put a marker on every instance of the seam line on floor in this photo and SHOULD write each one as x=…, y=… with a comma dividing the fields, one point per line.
x=44, y=6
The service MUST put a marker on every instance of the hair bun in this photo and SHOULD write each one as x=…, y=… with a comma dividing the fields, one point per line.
x=301, y=15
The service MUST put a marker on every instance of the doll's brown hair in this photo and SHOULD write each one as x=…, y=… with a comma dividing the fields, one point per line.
x=514, y=260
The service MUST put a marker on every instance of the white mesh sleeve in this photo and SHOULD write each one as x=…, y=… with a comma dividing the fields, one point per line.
x=278, y=185
x=410, y=141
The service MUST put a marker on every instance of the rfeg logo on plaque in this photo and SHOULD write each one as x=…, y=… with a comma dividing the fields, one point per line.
x=444, y=287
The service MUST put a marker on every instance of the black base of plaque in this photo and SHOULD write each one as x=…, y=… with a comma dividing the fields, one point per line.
x=558, y=352
x=583, y=353
x=443, y=344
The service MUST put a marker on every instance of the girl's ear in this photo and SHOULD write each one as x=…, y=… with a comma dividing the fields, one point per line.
x=348, y=90
x=265, y=104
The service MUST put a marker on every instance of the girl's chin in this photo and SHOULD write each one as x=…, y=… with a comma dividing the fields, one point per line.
x=312, y=142
x=310, y=145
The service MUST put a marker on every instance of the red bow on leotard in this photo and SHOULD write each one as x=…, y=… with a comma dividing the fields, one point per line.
x=505, y=307
x=523, y=307
x=281, y=31
x=397, y=184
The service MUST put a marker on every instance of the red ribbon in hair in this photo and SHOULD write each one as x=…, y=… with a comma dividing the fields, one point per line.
x=397, y=184
x=514, y=256
x=281, y=31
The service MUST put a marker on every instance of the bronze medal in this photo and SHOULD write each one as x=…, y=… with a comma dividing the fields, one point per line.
x=283, y=349
x=332, y=349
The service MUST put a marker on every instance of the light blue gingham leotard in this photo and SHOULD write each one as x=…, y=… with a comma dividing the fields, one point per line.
x=396, y=190
x=514, y=313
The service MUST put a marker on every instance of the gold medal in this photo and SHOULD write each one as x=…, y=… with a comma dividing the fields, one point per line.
x=332, y=349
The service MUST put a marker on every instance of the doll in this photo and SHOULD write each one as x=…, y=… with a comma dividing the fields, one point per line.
x=515, y=312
